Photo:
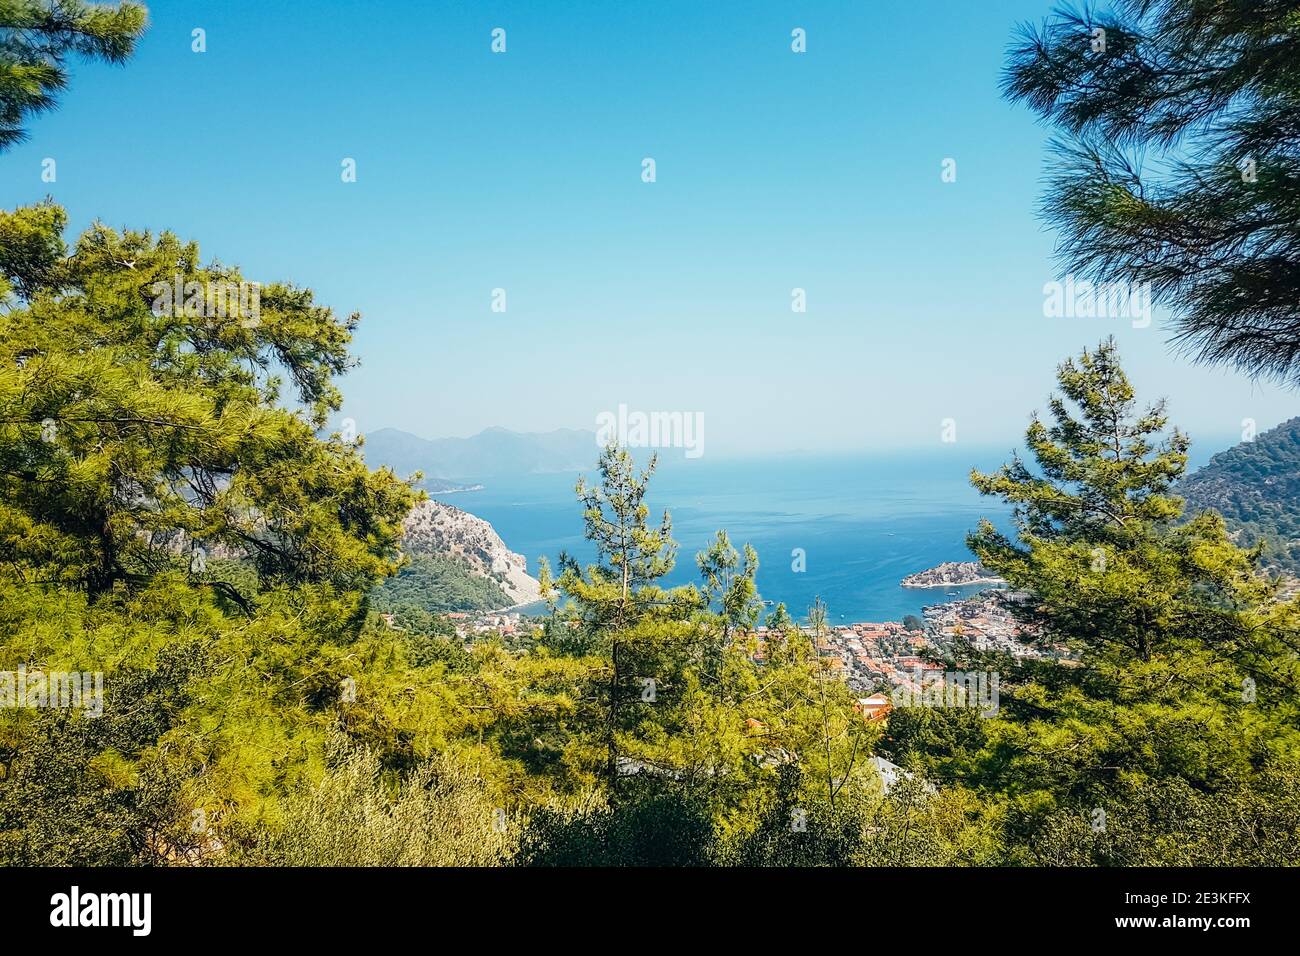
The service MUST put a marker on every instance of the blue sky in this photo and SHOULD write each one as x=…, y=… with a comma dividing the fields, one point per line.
x=522, y=171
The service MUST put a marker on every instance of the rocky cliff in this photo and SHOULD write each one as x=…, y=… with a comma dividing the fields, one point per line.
x=434, y=528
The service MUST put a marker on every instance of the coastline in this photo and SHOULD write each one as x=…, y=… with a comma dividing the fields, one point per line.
x=952, y=574
x=953, y=584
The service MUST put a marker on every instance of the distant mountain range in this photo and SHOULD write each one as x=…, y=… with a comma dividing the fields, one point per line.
x=1256, y=487
x=495, y=452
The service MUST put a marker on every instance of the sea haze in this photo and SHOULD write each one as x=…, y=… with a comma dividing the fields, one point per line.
x=863, y=522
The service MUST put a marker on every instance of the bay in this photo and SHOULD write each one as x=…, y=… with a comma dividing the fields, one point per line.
x=863, y=522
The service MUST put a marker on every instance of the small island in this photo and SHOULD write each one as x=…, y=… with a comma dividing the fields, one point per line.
x=952, y=574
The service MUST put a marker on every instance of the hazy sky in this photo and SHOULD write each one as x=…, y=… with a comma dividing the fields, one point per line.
x=522, y=171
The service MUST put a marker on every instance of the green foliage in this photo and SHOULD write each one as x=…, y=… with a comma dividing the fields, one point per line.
x=425, y=650
x=36, y=40
x=1184, y=665
x=439, y=583
x=1101, y=475
x=31, y=249
x=260, y=693
x=729, y=584
x=1252, y=822
x=129, y=435
x=1256, y=487
x=942, y=743
x=620, y=589
x=655, y=829
x=437, y=814
x=1177, y=162
x=674, y=701
x=912, y=825
x=84, y=790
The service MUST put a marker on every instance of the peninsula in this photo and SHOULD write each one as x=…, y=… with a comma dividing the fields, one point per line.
x=952, y=574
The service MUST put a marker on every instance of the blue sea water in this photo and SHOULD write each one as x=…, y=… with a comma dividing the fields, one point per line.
x=863, y=522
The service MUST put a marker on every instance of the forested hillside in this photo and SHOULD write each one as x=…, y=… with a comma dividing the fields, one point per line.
x=439, y=531
x=255, y=709
x=1256, y=487
x=438, y=584
x=261, y=712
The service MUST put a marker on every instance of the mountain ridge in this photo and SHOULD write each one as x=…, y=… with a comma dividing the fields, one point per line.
x=493, y=452
x=1255, y=485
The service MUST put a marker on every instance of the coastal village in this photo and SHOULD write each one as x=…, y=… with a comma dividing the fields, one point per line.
x=876, y=659
x=883, y=663
x=865, y=653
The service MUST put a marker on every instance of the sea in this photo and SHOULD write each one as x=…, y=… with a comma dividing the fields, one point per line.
x=846, y=529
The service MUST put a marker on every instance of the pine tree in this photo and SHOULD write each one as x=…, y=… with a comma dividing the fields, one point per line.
x=36, y=40
x=618, y=603
x=142, y=429
x=730, y=584
x=1180, y=657
x=621, y=587
x=1177, y=162
x=684, y=707
x=146, y=448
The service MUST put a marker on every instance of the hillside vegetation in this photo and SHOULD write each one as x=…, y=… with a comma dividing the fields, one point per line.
x=1256, y=487
x=259, y=711
x=437, y=584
